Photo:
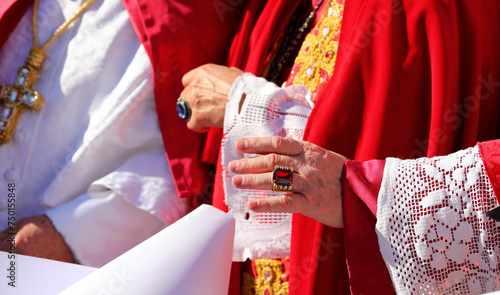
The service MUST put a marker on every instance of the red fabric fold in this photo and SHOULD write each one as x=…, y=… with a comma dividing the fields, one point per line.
x=412, y=79
x=179, y=36
x=11, y=12
x=490, y=154
x=262, y=25
x=361, y=183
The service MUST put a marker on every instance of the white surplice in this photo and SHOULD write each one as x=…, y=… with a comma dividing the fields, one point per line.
x=92, y=158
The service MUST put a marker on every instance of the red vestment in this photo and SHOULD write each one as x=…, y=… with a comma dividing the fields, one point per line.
x=412, y=79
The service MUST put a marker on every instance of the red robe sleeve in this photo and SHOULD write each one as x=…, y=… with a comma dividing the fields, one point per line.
x=360, y=186
x=411, y=79
x=11, y=12
x=490, y=154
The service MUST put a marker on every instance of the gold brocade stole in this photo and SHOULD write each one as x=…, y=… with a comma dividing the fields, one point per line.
x=313, y=67
x=315, y=62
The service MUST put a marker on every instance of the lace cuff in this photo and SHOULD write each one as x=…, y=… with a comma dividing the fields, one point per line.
x=267, y=110
x=432, y=229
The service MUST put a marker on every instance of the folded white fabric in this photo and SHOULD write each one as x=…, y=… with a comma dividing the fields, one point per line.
x=267, y=110
x=32, y=275
x=192, y=256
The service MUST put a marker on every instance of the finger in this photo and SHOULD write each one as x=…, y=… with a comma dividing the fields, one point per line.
x=272, y=144
x=187, y=94
x=264, y=181
x=189, y=76
x=260, y=164
x=291, y=203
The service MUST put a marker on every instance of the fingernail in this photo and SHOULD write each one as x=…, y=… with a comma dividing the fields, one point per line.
x=253, y=204
x=241, y=144
x=232, y=166
x=237, y=180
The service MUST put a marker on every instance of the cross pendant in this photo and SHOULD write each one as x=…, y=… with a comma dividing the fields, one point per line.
x=20, y=95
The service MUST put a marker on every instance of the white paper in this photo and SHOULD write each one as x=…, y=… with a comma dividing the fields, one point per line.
x=192, y=256
x=38, y=276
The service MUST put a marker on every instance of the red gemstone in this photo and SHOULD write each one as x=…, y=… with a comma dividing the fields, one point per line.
x=283, y=177
x=328, y=54
x=266, y=292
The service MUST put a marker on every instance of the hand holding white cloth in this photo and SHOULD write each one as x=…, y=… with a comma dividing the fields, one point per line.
x=267, y=110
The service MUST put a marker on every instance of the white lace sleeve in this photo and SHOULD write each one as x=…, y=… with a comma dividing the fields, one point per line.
x=432, y=228
x=267, y=110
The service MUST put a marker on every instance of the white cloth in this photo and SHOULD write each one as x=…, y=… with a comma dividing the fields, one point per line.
x=97, y=132
x=432, y=229
x=266, y=111
x=193, y=256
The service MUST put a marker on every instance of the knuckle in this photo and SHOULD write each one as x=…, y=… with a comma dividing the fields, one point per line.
x=271, y=160
x=193, y=124
x=255, y=181
x=207, y=66
x=277, y=142
x=184, y=80
x=285, y=202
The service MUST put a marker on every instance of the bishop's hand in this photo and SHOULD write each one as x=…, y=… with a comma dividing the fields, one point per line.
x=316, y=185
x=36, y=236
x=206, y=91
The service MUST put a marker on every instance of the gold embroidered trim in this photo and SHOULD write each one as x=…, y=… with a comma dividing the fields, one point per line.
x=269, y=279
x=316, y=58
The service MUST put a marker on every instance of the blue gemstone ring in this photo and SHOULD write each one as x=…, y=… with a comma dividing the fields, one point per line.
x=183, y=109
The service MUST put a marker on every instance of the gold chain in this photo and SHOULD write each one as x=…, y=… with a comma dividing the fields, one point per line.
x=61, y=28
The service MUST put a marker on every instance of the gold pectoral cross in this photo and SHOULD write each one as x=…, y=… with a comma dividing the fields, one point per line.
x=20, y=95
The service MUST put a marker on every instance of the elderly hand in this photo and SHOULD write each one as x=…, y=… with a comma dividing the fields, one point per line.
x=206, y=91
x=36, y=236
x=316, y=187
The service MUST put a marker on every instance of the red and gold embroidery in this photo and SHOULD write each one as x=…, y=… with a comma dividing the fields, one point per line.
x=270, y=278
x=315, y=62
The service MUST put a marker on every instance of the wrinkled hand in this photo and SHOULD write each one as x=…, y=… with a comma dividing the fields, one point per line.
x=316, y=187
x=36, y=236
x=206, y=90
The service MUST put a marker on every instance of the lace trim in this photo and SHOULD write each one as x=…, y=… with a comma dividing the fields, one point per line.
x=266, y=111
x=432, y=228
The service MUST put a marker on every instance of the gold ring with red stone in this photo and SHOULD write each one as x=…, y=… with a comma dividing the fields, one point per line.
x=282, y=178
